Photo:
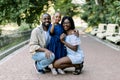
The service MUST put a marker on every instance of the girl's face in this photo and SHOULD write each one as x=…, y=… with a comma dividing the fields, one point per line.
x=57, y=17
x=66, y=24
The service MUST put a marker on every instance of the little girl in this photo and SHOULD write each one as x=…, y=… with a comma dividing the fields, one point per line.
x=55, y=45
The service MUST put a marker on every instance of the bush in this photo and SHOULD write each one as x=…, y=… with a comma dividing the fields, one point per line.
x=24, y=27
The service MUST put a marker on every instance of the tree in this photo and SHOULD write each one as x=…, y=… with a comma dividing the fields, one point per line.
x=103, y=12
x=19, y=10
x=29, y=11
x=66, y=7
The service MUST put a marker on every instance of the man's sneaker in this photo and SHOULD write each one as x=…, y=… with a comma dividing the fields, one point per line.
x=36, y=65
x=41, y=71
x=47, y=69
x=60, y=71
x=54, y=72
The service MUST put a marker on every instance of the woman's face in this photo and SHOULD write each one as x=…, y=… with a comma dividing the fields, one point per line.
x=66, y=24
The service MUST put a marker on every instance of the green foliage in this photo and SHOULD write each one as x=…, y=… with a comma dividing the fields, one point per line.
x=66, y=7
x=0, y=31
x=30, y=10
x=24, y=27
x=108, y=11
x=18, y=10
x=11, y=9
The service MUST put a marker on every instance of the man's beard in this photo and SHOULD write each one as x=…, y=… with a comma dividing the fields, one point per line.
x=46, y=25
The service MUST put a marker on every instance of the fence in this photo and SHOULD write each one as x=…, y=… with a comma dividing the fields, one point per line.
x=16, y=37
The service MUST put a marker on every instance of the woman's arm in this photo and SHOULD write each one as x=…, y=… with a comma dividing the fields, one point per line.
x=74, y=48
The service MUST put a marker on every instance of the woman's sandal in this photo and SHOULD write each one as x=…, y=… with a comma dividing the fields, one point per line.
x=78, y=69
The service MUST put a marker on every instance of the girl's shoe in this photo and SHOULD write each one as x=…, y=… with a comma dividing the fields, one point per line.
x=54, y=72
x=60, y=71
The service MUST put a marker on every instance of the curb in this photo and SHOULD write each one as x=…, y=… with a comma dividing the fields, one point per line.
x=107, y=43
x=9, y=51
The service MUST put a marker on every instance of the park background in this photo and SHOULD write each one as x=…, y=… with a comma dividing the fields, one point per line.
x=19, y=17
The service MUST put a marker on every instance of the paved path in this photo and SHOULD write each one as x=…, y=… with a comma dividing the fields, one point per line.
x=101, y=63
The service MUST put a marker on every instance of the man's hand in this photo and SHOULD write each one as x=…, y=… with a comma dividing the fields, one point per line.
x=48, y=53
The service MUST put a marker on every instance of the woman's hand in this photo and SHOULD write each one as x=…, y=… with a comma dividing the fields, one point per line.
x=76, y=32
x=62, y=37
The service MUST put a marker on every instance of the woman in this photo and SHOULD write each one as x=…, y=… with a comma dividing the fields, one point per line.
x=75, y=56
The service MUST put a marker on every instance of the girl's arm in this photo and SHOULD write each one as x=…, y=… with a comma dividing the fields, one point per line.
x=52, y=28
x=53, y=25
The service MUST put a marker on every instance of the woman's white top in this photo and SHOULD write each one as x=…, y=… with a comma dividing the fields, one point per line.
x=76, y=57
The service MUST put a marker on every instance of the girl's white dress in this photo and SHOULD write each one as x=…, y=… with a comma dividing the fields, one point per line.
x=76, y=57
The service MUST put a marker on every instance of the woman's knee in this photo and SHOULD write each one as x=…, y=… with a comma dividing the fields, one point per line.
x=56, y=64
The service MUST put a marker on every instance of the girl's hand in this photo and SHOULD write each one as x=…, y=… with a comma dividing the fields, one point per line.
x=53, y=20
x=62, y=36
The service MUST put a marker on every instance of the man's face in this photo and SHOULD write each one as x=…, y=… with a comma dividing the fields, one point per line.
x=46, y=20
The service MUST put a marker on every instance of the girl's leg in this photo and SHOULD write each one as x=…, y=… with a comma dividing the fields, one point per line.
x=53, y=70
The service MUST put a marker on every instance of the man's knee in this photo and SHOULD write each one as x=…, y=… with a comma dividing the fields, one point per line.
x=52, y=57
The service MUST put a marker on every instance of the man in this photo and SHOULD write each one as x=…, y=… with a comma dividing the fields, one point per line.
x=38, y=45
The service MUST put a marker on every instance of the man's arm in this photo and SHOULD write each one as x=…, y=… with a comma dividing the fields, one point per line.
x=48, y=53
x=34, y=41
x=34, y=45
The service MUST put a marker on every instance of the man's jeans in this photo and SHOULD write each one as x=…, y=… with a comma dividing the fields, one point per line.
x=42, y=60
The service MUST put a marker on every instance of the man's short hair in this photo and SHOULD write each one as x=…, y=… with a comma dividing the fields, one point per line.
x=46, y=14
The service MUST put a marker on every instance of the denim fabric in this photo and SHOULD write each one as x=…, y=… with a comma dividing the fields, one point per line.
x=42, y=61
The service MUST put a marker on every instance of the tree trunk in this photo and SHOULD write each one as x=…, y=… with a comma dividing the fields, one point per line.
x=96, y=2
x=99, y=2
x=87, y=0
